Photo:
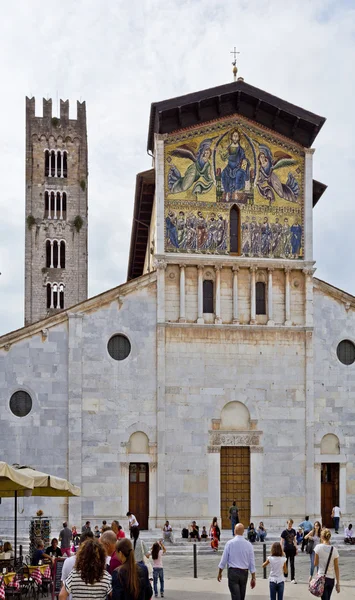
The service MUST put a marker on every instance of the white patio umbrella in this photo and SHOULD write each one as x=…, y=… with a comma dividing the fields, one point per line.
x=12, y=484
x=43, y=485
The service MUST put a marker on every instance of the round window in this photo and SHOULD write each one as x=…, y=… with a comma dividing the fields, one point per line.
x=20, y=403
x=346, y=352
x=119, y=347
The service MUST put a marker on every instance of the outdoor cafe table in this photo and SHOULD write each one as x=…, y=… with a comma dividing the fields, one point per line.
x=8, y=578
x=37, y=571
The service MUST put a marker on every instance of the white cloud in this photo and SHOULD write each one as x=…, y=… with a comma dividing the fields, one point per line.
x=122, y=56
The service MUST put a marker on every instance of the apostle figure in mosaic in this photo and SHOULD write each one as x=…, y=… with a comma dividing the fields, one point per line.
x=201, y=230
x=181, y=230
x=266, y=236
x=221, y=234
x=276, y=235
x=237, y=172
x=211, y=243
x=171, y=231
x=268, y=183
x=191, y=236
x=246, y=237
x=198, y=175
x=255, y=235
x=296, y=238
x=286, y=240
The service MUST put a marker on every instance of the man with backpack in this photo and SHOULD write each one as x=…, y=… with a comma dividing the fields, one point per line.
x=233, y=515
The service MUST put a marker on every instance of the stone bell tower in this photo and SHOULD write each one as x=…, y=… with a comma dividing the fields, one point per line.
x=56, y=257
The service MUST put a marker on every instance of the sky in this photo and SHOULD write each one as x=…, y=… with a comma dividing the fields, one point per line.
x=120, y=57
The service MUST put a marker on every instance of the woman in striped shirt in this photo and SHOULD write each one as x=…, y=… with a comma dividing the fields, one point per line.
x=89, y=579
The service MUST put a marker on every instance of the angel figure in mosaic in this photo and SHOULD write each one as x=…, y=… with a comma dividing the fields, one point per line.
x=198, y=174
x=268, y=182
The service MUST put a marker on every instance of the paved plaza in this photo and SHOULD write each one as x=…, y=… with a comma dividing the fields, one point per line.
x=180, y=584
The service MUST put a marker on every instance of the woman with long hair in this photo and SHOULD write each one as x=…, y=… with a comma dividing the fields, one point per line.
x=324, y=552
x=215, y=534
x=89, y=578
x=139, y=547
x=277, y=562
x=158, y=549
x=313, y=538
x=130, y=580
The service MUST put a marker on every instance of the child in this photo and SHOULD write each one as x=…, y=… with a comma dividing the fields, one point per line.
x=277, y=562
x=96, y=531
x=204, y=534
x=299, y=536
x=158, y=549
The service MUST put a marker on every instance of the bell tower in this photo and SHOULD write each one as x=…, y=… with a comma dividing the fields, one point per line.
x=56, y=258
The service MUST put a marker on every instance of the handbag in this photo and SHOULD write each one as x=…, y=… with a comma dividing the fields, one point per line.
x=316, y=586
x=310, y=546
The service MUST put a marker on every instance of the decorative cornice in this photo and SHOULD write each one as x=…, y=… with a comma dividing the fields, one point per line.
x=234, y=438
x=204, y=260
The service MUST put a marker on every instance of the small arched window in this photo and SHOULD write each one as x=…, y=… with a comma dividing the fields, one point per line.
x=62, y=255
x=48, y=254
x=208, y=296
x=55, y=295
x=46, y=164
x=65, y=164
x=234, y=229
x=52, y=163
x=260, y=294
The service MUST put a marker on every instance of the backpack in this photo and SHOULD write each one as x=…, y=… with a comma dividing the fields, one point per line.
x=185, y=533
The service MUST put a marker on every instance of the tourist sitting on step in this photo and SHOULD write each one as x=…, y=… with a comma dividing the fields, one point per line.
x=194, y=531
x=251, y=533
x=204, y=534
x=168, y=533
x=261, y=532
x=349, y=534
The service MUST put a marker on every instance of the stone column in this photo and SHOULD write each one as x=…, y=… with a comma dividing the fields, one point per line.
x=235, y=295
x=51, y=265
x=309, y=423
x=59, y=249
x=252, y=296
x=50, y=163
x=56, y=164
x=287, y=298
x=52, y=296
x=270, y=310
x=308, y=204
x=218, y=318
x=61, y=205
x=200, y=294
x=182, y=318
x=62, y=165
x=342, y=487
x=49, y=205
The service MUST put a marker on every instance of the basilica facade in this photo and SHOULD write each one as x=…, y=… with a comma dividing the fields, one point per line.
x=223, y=369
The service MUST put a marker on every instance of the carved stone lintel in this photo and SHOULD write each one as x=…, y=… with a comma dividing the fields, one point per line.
x=213, y=449
x=234, y=438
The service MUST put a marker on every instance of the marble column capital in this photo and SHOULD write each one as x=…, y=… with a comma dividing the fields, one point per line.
x=235, y=269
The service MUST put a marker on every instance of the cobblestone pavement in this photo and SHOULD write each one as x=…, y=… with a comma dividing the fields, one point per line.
x=207, y=565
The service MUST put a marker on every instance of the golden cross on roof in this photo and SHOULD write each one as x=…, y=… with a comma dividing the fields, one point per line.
x=234, y=63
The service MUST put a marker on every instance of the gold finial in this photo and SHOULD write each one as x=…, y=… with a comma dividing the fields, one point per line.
x=234, y=63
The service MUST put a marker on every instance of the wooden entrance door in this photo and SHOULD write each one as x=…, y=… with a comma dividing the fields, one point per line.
x=329, y=491
x=139, y=492
x=235, y=483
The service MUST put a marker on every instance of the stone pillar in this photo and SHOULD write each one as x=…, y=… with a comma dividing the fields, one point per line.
x=252, y=296
x=50, y=163
x=256, y=482
x=214, y=483
x=308, y=297
x=270, y=310
x=218, y=318
x=61, y=205
x=342, y=487
x=56, y=164
x=152, y=524
x=75, y=392
x=317, y=508
x=62, y=165
x=49, y=205
x=235, y=295
x=160, y=408
x=308, y=205
x=287, y=298
x=59, y=244
x=52, y=296
x=309, y=423
x=200, y=294
x=182, y=318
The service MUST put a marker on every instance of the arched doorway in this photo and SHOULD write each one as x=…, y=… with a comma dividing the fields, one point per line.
x=234, y=464
x=329, y=447
x=139, y=478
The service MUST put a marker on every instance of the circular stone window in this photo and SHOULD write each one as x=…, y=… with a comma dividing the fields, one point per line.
x=119, y=347
x=346, y=352
x=20, y=403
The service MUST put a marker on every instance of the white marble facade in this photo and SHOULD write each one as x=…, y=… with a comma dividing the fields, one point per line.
x=193, y=383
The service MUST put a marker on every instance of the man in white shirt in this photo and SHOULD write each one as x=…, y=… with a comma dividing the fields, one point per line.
x=239, y=556
x=132, y=522
x=336, y=514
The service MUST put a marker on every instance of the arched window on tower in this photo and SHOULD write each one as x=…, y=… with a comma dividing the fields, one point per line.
x=59, y=163
x=208, y=296
x=55, y=295
x=52, y=163
x=64, y=205
x=48, y=254
x=61, y=296
x=46, y=163
x=234, y=227
x=260, y=297
x=55, y=254
x=49, y=295
x=65, y=164
x=46, y=205
x=62, y=254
